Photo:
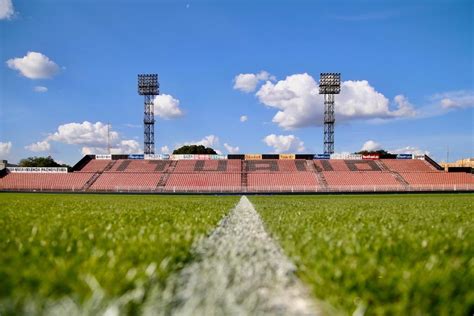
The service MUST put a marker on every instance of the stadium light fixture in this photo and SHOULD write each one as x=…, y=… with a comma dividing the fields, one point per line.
x=149, y=87
x=329, y=85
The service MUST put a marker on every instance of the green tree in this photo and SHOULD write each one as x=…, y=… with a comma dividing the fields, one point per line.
x=40, y=162
x=382, y=153
x=194, y=149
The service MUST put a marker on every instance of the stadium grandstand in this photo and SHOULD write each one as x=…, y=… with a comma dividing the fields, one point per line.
x=253, y=173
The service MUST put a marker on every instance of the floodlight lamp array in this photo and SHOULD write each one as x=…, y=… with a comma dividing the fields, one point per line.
x=330, y=83
x=148, y=84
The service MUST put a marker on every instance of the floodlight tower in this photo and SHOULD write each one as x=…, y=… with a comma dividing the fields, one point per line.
x=329, y=85
x=149, y=87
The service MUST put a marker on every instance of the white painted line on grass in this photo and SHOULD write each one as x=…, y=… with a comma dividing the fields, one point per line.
x=239, y=270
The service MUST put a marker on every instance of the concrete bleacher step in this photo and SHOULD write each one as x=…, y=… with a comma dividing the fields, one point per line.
x=401, y=180
x=166, y=175
x=244, y=177
x=319, y=176
x=381, y=165
x=110, y=165
x=91, y=181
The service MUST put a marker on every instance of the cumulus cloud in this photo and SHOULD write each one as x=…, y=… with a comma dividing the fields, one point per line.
x=371, y=145
x=167, y=107
x=248, y=82
x=129, y=146
x=284, y=143
x=34, y=66
x=409, y=150
x=39, y=146
x=5, y=148
x=6, y=9
x=94, y=138
x=85, y=133
x=40, y=89
x=455, y=99
x=244, y=118
x=230, y=149
x=207, y=141
x=165, y=150
x=299, y=103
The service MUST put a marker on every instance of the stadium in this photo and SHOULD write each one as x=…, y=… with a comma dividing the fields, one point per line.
x=251, y=173
x=307, y=196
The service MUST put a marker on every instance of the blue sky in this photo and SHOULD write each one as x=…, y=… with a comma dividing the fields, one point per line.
x=68, y=68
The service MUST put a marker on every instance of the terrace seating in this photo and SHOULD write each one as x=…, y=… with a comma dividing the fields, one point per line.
x=261, y=166
x=95, y=165
x=297, y=165
x=346, y=165
x=331, y=165
x=194, y=180
x=360, y=178
x=45, y=181
x=222, y=166
x=123, y=181
x=408, y=165
x=298, y=179
x=437, y=178
x=147, y=166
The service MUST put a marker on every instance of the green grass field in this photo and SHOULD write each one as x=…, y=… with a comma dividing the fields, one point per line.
x=56, y=245
x=385, y=254
x=400, y=254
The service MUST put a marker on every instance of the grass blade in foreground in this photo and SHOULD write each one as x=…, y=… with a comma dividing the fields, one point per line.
x=405, y=254
x=57, y=246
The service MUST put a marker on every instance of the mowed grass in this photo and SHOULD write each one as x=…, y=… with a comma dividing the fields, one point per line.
x=387, y=254
x=54, y=246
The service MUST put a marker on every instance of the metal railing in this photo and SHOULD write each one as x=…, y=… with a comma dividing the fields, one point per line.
x=254, y=189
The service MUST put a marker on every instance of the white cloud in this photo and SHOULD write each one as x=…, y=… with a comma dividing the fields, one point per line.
x=128, y=146
x=248, y=82
x=167, y=107
x=40, y=89
x=39, y=146
x=371, y=145
x=455, y=99
x=409, y=150
x=284, y=143
x=6, y=9
x=165, y=150
x=207, y=141
x=85, y=133
x=244, y=118
x=299, y=103
x=5, y=148
x=34, y=66
x=94, y=138
x=230, y=149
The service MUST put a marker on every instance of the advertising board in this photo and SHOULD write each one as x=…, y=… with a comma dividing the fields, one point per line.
x=217, y=157
x=287, y=156
x=405, y=156
x=136, y=156
x=157, y=157
x=346, y=156
x=37, y=169
x=103, y=157
x=371, y=156
x=322, y=156
x=253, y=157
x=420, y=157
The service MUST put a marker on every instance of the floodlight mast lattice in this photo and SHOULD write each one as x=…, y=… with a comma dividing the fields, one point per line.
x=148, y=86
x=329, y=85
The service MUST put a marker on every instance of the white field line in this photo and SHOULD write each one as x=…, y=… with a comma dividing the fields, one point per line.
x=239, y=270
